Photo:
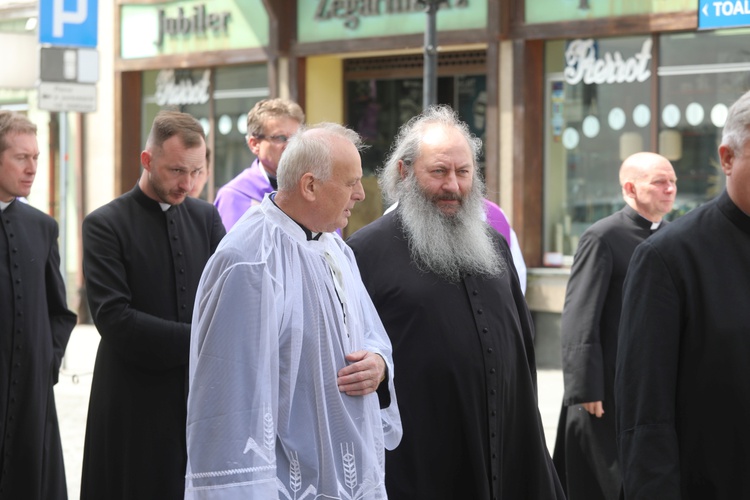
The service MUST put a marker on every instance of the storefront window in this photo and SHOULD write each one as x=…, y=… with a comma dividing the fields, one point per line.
x=222, y=111
x=376, y=108
x=599, y=110
x=700, y=76
x=237, y=91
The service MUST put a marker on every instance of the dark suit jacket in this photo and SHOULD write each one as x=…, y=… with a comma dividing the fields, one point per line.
x=35, y=325
x=142, y=268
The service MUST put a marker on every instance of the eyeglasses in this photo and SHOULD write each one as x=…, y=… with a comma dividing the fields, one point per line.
x=276, y=139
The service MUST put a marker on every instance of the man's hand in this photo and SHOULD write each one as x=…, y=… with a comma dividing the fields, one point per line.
x=594, y=408
x=363, y=375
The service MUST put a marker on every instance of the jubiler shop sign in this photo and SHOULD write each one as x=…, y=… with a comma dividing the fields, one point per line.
x=151, y=29
x=199, y=22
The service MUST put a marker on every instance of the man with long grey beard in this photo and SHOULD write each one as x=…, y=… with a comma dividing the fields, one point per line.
x=462, y=335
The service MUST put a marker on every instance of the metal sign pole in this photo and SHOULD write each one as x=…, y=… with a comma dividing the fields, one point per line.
x=63, y=198
x=430, y=53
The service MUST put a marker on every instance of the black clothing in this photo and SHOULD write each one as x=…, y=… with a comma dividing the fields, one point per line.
x=35, y=325
x=465, y=377
x=586, y=447
x=142, y=266
x=682, y=375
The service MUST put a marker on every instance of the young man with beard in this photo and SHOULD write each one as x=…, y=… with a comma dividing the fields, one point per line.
x=440, y=279
x=143, y=255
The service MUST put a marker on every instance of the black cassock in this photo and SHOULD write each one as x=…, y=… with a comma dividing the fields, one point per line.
x=586, y=446
x=35, y=325
x=142, y=268
x=682, y=382
x=465, y=377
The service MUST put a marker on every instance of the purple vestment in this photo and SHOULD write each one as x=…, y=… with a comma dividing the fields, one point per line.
x=241, y=193
x=496, y=218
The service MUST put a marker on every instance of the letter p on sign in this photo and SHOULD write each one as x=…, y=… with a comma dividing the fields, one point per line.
x=71, y=23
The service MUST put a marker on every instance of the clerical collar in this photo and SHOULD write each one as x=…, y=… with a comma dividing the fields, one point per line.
x=270, y=178
x=5, y=204
x=308, y=233
x=165, y=206
x=655, y=225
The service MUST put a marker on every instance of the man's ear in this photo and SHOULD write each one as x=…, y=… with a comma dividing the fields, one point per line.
x=146, y=158
x=402, y=169
x=308, y=187
x=629, y=189
x=254, y=144
x=726, y=156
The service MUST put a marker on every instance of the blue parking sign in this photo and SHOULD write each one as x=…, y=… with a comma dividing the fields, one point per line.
x=68, y=22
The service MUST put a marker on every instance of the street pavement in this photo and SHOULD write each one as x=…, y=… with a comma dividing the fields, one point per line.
x=72, y=397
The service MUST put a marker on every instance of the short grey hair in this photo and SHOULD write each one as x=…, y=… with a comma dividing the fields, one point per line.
x=309, y=151
x=737, y=127
x=407, y=146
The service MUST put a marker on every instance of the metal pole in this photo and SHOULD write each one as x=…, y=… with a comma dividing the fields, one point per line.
x=430, y=54
x=63, y=198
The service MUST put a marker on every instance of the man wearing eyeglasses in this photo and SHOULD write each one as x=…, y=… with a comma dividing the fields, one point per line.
x=270, y=124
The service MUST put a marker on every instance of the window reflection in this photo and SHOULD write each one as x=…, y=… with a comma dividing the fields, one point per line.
x=699, y=75
x=592, y=127
x=235, y=91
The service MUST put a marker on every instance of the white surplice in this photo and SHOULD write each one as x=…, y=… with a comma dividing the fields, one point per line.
x=275, y=315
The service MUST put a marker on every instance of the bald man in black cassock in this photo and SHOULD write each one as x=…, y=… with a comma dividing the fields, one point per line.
x=586, y=447
x=682, y=376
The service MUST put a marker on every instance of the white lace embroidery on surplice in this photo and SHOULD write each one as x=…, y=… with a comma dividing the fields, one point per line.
x=349, y=490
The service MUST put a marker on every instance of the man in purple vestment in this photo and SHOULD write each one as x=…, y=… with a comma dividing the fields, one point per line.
x=270, y=124
x=499, y=221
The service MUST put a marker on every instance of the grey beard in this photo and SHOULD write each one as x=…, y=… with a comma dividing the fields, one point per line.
x=450, y=246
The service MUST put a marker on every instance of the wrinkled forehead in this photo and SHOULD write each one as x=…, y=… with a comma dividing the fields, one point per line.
x=447, y=144
x=661, y=170
x=22, y=141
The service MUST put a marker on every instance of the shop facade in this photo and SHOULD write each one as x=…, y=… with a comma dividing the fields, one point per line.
x=560, y=92
x=214, y=60
x=69, y=176
x=612, y=79
x=364, y=68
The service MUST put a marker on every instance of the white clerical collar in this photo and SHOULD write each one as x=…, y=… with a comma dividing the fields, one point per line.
x=165, y=206
x=309, y=234
x=4, y=205
x=655, y=225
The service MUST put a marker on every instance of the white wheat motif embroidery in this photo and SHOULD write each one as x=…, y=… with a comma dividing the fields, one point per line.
x=295, y=481
x=295, y=475
x=350, y=467
x=268, y=452
x=269, y=435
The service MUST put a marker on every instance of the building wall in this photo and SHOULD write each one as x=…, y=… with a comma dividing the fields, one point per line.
x=324, y=89
x=99, y=182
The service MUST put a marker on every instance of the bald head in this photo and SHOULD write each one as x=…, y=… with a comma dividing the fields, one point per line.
x=649, y=184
